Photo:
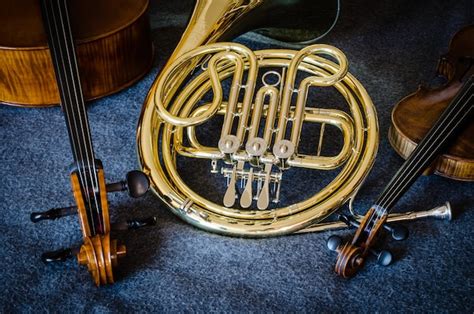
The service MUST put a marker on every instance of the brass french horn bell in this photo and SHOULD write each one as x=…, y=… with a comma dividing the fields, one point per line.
x=261, y=128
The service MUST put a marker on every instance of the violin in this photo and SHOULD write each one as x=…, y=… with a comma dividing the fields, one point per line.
x=99, y=252
x=352, y=255
x=113, y=44
x=413, y=116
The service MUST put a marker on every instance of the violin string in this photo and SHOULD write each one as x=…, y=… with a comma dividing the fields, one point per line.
x=83, y=154
x=83, y=116
x=80, y=109
x=389, y=201
x=404, y=175
x=412, y=161
x=431, y=141
x=79, y=162
x=390, y=196
x=59, y=61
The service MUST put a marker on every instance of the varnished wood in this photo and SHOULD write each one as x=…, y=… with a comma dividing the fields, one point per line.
x=414, y=115
x=108, y=258
x=99, y=252
x=113, y=41
x=351, y=256
x=349, y=261
x=87, y=257
x=103, y=200
x=81, y=208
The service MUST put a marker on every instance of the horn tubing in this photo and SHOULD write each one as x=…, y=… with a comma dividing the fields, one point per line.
x=198, y=211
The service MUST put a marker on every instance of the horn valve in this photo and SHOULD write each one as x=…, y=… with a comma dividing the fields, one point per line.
x=263, y=109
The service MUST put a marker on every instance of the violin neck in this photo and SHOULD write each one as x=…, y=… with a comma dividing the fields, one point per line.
x=447, y=126
x=61, y=45
x=85, y=175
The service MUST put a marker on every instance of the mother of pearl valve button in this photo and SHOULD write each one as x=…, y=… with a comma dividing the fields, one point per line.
x=229, y=144
x=283, y=149
x=256, y=146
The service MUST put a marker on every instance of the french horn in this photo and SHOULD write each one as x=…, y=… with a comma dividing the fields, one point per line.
x=258, y=138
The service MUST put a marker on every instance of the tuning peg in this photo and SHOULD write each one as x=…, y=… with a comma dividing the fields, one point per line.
x=53, y=213
x=350, y=221
x=58, y=256
x=384, y=257
x=398, y=233
x=136, y=182
x=333, y=242
x=134, y=224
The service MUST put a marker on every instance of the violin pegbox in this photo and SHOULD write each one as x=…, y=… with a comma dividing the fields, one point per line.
x=352, y=255
x=99, y=252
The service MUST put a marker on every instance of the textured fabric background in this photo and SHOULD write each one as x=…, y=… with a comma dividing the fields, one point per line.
x=391, y=45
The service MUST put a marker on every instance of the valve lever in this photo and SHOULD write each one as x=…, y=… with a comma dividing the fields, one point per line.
x=247, y=195
x=229, y=197
x=264, y=197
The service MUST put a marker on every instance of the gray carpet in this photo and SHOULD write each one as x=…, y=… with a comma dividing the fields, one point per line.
x=391, y=47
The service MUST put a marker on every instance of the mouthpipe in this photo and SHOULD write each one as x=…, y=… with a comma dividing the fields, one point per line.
x=442, y=212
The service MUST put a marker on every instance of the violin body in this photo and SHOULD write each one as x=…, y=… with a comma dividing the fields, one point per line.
x=113, y=45
x=414, y=115
x=443, y=132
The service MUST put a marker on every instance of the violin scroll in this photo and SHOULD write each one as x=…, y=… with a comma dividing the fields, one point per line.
x=351, y=258
x=352, y=255
x=99, y=253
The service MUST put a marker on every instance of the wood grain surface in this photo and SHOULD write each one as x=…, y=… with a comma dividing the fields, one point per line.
x=113, y=46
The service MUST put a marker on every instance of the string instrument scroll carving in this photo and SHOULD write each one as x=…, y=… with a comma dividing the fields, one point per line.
x=99, y=251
